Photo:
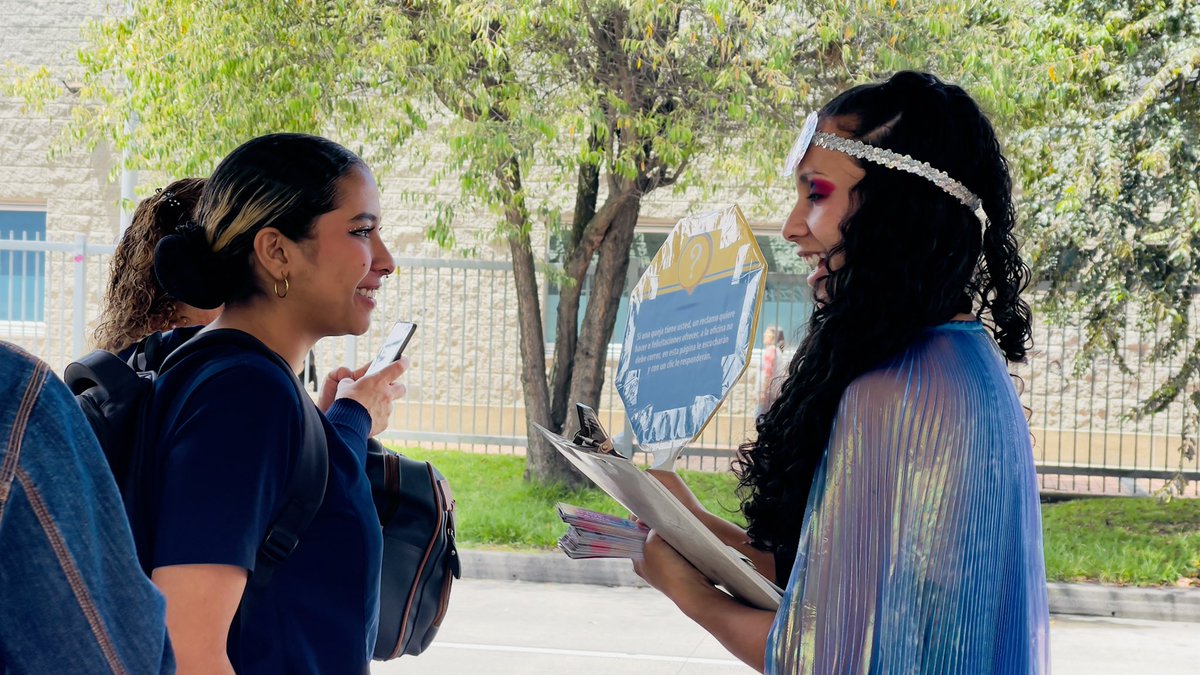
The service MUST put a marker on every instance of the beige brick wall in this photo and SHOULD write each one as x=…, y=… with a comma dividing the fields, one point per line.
x=73, y=189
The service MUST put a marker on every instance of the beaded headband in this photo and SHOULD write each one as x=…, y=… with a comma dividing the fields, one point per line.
x=892, y=160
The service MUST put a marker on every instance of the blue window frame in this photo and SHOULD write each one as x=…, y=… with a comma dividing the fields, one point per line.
x=787, y=305
x=22, y=273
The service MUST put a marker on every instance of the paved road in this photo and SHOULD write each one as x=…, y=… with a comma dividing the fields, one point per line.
x=501, y=628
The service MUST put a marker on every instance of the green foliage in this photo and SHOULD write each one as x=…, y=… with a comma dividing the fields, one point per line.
x=1098, y=98
x=200, y=78
x=1112, y=187
x=487, y=89
x=1111, y=182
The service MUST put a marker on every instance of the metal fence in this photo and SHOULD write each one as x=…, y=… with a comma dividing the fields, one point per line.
x=465, y=390
x=1086, y=439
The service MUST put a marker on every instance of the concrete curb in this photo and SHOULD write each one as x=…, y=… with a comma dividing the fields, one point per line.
x=1154, y=604
x=554, y=568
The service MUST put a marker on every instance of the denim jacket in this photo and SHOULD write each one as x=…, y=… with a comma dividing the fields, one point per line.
x=73, y=598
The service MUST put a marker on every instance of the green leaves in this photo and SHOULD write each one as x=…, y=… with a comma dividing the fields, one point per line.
x=662, y=82
x=1110, y=180
x=1098, y=105
x=200, y=79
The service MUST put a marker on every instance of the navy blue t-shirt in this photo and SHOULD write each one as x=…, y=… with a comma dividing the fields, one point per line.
x=230, y=431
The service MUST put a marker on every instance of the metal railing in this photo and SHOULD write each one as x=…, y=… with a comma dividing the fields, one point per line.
x=465, y=390
x=52, y=292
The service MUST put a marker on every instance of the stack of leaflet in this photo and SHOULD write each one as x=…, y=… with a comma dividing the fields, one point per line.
x=599, y=535
x=594, y=454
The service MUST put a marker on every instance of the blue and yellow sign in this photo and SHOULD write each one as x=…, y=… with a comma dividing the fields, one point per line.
x=692, y=321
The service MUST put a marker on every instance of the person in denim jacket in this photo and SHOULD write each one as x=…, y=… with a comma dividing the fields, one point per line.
x=72, y=596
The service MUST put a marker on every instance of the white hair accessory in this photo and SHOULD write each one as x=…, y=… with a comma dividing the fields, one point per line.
x=882, y=156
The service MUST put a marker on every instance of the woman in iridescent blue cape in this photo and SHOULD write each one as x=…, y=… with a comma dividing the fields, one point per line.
x=891, y=486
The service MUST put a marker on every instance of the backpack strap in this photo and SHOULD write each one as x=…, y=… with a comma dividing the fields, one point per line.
x=151, y=351
x=306, y=489
x=147, y=354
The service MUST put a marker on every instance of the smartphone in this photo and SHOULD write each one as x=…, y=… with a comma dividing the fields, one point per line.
x=393, y=346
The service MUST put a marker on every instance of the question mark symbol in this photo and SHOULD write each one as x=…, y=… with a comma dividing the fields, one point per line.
x=697, y=254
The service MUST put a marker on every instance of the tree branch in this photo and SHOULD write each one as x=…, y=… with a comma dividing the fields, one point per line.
x=597, y=228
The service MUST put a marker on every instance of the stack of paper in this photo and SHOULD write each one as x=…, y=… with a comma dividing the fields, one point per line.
x=598, y=535
x=592, y=452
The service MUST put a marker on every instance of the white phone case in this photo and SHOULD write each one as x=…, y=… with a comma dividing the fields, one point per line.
x=393, y=346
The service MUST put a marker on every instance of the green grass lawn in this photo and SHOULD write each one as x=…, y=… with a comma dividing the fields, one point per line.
x=498, y=509
x=1124, y=541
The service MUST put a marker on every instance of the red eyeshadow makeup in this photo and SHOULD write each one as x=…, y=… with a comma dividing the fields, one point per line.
x=821, y=188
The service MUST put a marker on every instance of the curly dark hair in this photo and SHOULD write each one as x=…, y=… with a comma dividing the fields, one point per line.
x=135, y=303
x=914, y=257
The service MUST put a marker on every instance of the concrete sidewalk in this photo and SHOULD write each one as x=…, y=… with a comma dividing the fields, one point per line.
x=1154, y=604
x=517, y=628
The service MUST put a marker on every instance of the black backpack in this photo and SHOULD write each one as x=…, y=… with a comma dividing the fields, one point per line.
x=420, y=560
x=115, y=396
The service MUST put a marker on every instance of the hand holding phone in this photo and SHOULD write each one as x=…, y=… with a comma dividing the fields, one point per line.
x=374, y=394
x=393, y=345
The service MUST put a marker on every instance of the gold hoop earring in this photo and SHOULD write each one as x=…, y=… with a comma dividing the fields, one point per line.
x=286, y=287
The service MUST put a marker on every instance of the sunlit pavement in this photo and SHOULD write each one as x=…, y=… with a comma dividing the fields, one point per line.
x=497, y=627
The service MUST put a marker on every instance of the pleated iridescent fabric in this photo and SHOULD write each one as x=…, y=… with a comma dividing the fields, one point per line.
x=921, y=550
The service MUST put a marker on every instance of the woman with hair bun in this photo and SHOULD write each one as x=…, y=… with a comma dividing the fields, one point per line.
x=135, y=304
x=286, y=237
x=891, y=486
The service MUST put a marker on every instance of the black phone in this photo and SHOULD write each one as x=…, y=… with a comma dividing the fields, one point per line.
x=393, y=346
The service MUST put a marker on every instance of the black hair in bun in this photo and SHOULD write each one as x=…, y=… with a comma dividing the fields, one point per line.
x=189, y=270
x=281, y=181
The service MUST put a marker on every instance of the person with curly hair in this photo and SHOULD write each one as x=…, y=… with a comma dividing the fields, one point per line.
x=135, y=303
x=891, y=486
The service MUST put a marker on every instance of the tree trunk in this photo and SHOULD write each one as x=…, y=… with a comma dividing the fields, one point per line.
x=565, y=345
x=608, y=286
x=543, y=464
x=567, y=334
